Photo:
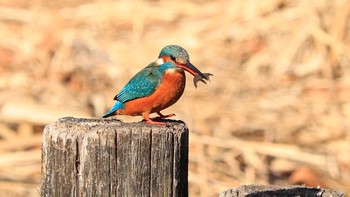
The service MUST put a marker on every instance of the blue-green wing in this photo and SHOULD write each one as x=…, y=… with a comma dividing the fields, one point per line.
x=143, y=84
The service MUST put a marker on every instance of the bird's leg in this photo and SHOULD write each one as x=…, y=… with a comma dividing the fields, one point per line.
x=164, y=116
x=150, y=121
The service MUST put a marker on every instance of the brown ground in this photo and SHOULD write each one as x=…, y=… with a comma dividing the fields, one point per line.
x=277, y=110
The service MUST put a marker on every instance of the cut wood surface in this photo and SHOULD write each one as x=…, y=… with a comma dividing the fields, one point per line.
x=106, y=157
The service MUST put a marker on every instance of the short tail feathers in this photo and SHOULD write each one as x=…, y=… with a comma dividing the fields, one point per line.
x=116, y=106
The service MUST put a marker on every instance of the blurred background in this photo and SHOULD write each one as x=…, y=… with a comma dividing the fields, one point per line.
x=277, y=109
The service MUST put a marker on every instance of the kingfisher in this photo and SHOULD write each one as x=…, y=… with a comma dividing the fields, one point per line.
x=157, y=86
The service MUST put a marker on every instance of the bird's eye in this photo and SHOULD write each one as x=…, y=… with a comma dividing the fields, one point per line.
x=173, y=58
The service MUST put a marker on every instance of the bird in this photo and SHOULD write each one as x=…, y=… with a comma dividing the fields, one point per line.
x=157, y=86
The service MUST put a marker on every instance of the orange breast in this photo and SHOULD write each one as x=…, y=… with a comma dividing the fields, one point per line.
x=167, y=93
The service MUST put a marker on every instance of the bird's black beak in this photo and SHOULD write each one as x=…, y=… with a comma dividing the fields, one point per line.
x=193, y=70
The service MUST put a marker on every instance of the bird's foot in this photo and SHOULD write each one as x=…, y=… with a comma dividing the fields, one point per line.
x=161, y=116
x=150, y=121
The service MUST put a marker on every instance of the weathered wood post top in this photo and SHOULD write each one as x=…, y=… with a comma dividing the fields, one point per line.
x=106, y=157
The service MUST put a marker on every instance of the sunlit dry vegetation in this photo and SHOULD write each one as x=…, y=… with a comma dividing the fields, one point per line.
x=277, y=110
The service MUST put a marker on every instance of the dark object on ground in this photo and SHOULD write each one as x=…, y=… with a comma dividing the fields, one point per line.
x=268, y=191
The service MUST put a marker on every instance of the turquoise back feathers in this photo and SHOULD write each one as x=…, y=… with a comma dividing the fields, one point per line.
x=143, y=84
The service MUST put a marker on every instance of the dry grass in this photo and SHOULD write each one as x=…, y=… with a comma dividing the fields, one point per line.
x=276, y=111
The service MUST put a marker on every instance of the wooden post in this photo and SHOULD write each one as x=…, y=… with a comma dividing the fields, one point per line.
x=106, y=157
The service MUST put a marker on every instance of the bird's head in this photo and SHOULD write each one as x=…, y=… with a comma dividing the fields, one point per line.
x=180, y=58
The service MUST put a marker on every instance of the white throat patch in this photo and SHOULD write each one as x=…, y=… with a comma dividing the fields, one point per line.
x=159, y=61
